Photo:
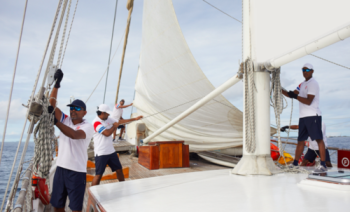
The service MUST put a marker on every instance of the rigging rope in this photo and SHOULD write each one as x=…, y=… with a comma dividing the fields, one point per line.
x=130, y=7
x=330, y=61
x=13, y=81
x=110, y=49
x=70, y=29
x=9, y=202
x=63, y=34
x=222, y=11
x=44, y=142
x=105, y=70
x=249, y=95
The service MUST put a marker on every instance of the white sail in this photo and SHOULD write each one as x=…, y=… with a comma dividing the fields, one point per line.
x=279, y=27
x=170, y=76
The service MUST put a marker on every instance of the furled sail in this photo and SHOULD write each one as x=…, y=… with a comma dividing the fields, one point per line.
x=169, y=81
x=279, y=27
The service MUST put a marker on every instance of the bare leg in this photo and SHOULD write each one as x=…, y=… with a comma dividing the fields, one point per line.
x=304, y=162
x=299, y=150
x=329, y=164
x=96, y=180
x=121, y=132
x=120, y=175
x=322, y=149
x=59, y=209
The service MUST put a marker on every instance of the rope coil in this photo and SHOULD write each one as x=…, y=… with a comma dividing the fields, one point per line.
x=249, y=95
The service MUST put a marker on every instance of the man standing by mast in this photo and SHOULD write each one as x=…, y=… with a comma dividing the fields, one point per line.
x=310, y=119
x=74, y=139
x=117, y=115
x=104, y=150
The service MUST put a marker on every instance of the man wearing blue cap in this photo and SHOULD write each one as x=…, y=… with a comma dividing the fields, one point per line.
x=74, y=139
x=310, y=119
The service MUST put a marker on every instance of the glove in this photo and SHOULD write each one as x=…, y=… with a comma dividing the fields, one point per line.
x=292, y=95
x=283, y=129
x=50, y=109
x=58, y=78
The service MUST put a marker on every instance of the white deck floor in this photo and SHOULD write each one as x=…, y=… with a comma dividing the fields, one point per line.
x=220, y=191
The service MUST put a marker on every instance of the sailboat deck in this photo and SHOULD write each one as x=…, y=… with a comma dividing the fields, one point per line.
x=139, y=172
x=218, y=190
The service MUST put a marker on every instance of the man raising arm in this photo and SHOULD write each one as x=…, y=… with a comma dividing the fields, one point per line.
x=74, y=139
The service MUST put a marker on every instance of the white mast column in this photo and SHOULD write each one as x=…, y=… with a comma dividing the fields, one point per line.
x=260, y=161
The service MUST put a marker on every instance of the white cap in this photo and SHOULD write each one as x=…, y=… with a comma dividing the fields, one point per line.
x=309, y=66
x=105, y=108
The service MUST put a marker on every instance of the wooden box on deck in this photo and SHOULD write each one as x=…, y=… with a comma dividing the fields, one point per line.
x=164, y=154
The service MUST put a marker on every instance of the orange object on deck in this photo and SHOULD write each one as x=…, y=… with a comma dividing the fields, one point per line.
x=111, y=176
x=274, y=154
x=90, y=164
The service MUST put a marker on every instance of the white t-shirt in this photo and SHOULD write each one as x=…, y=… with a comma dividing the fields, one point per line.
x=72, y=153
x=309, y=87
x=117, y=112
x=103, y=145
x=313, y=144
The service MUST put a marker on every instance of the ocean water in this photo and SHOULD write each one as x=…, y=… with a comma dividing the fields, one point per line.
x=6, y=165
x=10, y=150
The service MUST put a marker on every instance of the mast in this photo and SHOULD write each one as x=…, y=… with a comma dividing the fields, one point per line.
x=259, y=160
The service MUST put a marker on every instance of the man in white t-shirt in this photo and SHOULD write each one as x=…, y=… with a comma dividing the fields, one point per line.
x=117, y=114
x=105, y=154
x=74, y=139
x=313, y=150
x=310, y=119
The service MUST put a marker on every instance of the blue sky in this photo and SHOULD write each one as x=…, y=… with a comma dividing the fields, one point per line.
x=213, y=37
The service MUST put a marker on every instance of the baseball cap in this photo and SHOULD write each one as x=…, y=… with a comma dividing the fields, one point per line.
x=309, y=66
x=104, y=108
x=78, y=103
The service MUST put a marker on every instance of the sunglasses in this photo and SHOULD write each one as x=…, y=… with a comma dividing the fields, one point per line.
x=306, y=69
x=75, y=108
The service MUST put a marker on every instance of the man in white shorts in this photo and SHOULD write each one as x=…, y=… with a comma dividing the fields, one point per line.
x=105, y=154
x=117, y=115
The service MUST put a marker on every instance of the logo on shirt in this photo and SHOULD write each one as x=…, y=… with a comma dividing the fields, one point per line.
x=305, y=87
x=78, y=127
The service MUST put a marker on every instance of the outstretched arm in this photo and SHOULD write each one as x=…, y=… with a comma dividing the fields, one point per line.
x=53, y=97
x=123, y=121
x=125, y=106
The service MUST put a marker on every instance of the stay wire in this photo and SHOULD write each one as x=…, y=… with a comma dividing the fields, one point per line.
x=110, y=49
x=223, y=12
x=13, y=81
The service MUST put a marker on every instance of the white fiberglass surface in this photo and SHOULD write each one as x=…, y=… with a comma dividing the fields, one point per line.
x=219, y=191
x=279, y=27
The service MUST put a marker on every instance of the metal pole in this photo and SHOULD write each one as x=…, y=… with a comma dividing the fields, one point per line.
x=217, y=91
x=22, y=194
x=110, y=49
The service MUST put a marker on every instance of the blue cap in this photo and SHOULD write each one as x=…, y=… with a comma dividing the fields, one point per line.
x=78, y=103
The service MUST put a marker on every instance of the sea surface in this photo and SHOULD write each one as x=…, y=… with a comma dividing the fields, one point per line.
x=10, y=151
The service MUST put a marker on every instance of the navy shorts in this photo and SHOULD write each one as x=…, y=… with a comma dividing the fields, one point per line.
x=311, y=155
x=68, y=183
x=121, y=126
x=310, y=127
x=112, y=160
